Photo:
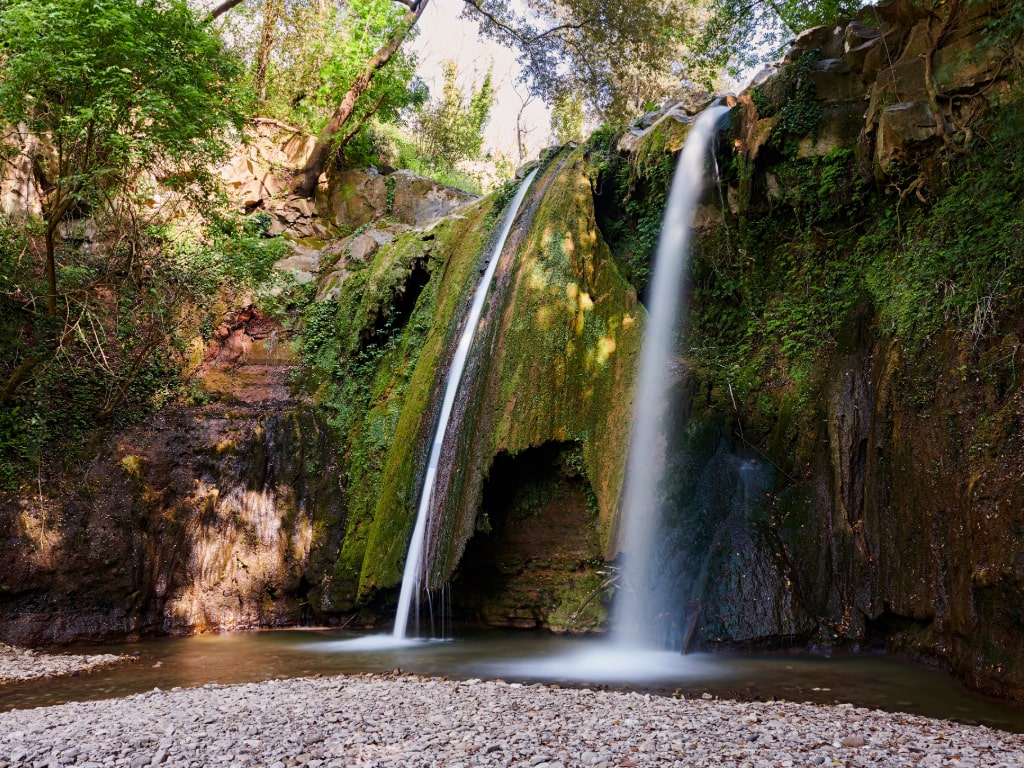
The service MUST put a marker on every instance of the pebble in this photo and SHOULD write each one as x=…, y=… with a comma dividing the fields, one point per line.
x=380, y=721
x=26, y=664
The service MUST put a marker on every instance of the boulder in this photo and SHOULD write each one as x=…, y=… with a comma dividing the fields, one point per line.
x=919, y=41
x=813, y=38
x=835, y=82
x=840, y=127
x=419, y=201
x=297, y=148
x=857, y=34
x=901, y=126
x=356, y=197
x=900, y=84
x=303, y=263
x=360, y=247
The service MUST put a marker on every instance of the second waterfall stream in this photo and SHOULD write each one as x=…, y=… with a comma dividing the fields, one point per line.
x=415, y=565
x=638, y=601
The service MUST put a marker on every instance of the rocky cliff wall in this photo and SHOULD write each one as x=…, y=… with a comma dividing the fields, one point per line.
x=848, y=473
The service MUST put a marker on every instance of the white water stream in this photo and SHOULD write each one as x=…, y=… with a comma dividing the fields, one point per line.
x=636, y=606
x=415, y=568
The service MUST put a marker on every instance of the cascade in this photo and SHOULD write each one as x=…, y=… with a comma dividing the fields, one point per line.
x=414, y=573
x=639, y=607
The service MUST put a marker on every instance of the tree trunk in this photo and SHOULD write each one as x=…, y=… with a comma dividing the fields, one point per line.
x=271, y=10
x=51, y=274
x=306, y=181
x=52, y=214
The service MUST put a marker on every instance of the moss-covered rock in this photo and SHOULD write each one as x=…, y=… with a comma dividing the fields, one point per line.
x=553, y=361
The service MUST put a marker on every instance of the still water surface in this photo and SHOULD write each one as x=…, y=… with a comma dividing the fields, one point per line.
x=870, y=681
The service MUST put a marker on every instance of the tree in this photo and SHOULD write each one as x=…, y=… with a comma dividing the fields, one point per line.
x=738, y=34
x=567, y=118
x=451, y=128
x=118, y=88
x=271, y=13
x=617, y=56
x=522, y=131
x=390, y=39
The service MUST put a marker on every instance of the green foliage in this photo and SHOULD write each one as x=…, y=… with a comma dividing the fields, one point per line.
x=639, y=189
x=790, y=98
x=231, y=251
x=320, y=50
x=450, y=129
x=735, y=35
x=820, y=189
x=117, y=352
x=961, y=262
x=395, y=146
x=567, y=118
x=1005, y=29
x=118, y=86
x=774, y=297
x=618, y=56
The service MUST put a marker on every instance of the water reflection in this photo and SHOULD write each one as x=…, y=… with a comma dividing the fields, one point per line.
x=870, y=681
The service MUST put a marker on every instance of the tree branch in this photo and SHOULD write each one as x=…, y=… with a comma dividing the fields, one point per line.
x=221, y=9
x=523, y=40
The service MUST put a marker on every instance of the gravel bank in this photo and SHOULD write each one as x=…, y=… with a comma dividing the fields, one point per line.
x=25, y=664
x=374, y=720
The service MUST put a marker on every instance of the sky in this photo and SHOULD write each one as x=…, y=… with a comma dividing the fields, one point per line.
x=444, y=36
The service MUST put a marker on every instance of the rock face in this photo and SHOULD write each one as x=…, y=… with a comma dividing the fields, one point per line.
x=359, y=197
x=203, y=519
x=902, y=59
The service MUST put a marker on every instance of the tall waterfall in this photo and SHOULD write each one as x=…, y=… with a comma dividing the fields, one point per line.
x=415, y=568
x=638, y=604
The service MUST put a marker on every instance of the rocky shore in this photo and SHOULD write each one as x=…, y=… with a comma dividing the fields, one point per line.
x=395, y=720
x=26, y=664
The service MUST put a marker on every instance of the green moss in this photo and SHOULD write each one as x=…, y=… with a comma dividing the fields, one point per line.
x=634, y=191
x=569, y=342
x=582, y=605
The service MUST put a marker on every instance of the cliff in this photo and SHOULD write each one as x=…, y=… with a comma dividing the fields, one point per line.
x=848, y=474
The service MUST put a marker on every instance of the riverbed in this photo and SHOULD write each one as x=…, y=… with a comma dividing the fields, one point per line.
x=872, y=681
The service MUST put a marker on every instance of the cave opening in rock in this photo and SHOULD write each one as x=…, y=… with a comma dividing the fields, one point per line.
x=535, y=559
x=395, y=313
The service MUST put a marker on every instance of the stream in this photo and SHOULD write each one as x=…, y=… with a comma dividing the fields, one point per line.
x=874, y=681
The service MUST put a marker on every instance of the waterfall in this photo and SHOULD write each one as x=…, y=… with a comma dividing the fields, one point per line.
x=415, y=567
x=638, y=603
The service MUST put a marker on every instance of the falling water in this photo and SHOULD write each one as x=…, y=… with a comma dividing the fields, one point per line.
x=638, y=604
x=412, y=578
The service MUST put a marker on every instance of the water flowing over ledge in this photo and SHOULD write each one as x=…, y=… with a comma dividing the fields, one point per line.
x=638, y=602
x=412, y=577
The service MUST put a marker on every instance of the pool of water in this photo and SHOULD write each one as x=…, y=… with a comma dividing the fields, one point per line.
x=870, y=681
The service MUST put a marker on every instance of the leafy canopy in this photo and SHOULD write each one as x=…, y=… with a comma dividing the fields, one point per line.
x=618, y=55
x=734, y=35
x=117, y=86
